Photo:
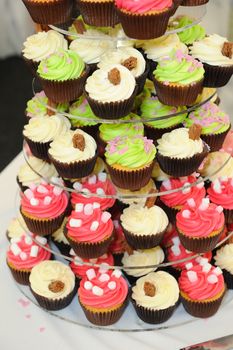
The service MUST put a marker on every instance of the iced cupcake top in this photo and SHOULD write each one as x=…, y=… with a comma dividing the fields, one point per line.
x=224, y=258
x=141, y=7
x=217, y=164
x=221, y=192
x=189, y=35
x=81, y=108
x=58, y=236
x=16, y=227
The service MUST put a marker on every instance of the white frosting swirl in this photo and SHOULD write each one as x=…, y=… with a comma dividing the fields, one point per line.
x=166, y=291
x=215, y=161
x=42, y=129
x=144, y=221
x=16, y=227
x=62, y=148
x=101, y=89
x=120, y=55
x=177, y=144
x=144, y=257
x=91, y=50
x=39, y=46
x=209, y=50
x=121, y=192
x=224, y=258
x=58, y=236
x=48, y=271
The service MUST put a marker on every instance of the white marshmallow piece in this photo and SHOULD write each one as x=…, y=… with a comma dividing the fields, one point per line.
x=75, y=222
x=23, y=256
x=85, y=191
x=206, y=267
x=191, y=202
x=72, y=252
x=93, y=261
x=28, y=240
x=219, y=209
x=94, y=225
x=34, y=202
x=44, y=182
x=15, y=249
x=28, y=194
x=56, y=180
x=47, y=200
x=224, y=178
x=97, y=291
x=57, y=190
x=117, y=273
x=88, y=285
x=176, y=240
x=200, y=185
x=104, y=277
x=32, y=186
x=192, y=276
x=204, y=204
x=167, y=184
x=189, y=266
x=186, y=213
x=41, y=240
x=88, y=209
x=100, y=191
x=217, y=186
x=212, y=279
x=16, y=239
x=112, y=285
x=217, y=271
x=92, y=180
x=102, y=177
x=79, y=207
x=116, y=223
x=90, y=274
x=176, y=250
x=105, y=217
x=34, y=251
x=42, y=189
x=77, y=186
x=186, y=188
x=203, y=261
x=96, y=205
x=104, y=267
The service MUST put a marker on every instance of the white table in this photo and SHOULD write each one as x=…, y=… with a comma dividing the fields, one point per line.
x=28, y=327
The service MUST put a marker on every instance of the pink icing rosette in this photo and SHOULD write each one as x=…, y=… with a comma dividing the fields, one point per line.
x=144, y=6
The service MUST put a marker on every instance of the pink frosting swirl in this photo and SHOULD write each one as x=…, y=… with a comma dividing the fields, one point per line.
x=221, y=192
x=169, y=234
x=23, y=253
x=104, y=290
x=200, y=221
x=201, y=285
x=144, y=6
x=44, y=200
x=178, y=199
x=118, y=244
x=92, y=227
x=80, y=270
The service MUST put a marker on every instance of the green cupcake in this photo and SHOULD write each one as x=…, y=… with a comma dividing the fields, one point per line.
x=189, y=35
x=82, y=109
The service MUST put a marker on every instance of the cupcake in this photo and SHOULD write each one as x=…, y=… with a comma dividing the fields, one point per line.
x=144, y=227
x=73, y=154
x=147, y=20
x=178, y=79
x=23, y=254
x=169, y=234
x=110, y=91
x=53, y=284
x=43, y=208
x=215, y=52
x=89, y=230
x=159, y=175
x=95, y=184
x=63, y=75
x=118, y=245
x=103, y=296
x=181, y=151
x=208, y=94
x=196, y=230
x=130, y=161
x=228, y=143
x=221, y=193
x=40, y=132
x=194, y=2
x=60, y=240
x=201, y=289
x=155, y=297
x=216, y=165
x=16, y=228
x=224, y=260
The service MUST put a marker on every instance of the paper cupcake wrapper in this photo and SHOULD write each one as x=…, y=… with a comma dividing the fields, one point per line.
x=177, y=95
x=112, y=110
x=215, y=141
x=117, y=258
x=101, y=144
x=42, y=227
x=49, y=12
x=228, y=278
x=143, y=241
x=104, y=318
x=62, y=247
x=21, y=186
x=132, y=180
x=217, y=76
x=177, y=3
x=64, y=91
x=75, y=170
x=39, y=149
x=140, y=81
x=146, y=26
x=20, y=276
x=154, y=133
x=228, y=213
x=171, y=212
x=32, y=65
x=152, y=65
x=194, y=2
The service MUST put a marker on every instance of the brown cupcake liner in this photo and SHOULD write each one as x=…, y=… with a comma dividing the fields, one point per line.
x=32, y=65
x=177, y=3
x=155, y=134
x=143, y=241
x=21, y=186
x=104, y=318
x=112, y=110
x=39, y=149
x=20, y=276
x=217, y=76
x=132, y=180
x=146, y=26
x=228, y=278
x=140, y=81
x=101, y=144
x=62, y=247
x=98, y=13
x=194, y=2
x=181, y=167
x=176, y=95
x=228, y=213
x=152, y=67
x=49, y=12
x=171, y=212
x=42, y=227
x=75, y=170
x=64, y=91
x=215, y=141
x=117, y=258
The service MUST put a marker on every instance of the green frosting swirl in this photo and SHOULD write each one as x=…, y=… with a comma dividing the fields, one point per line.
x=61, y=66
x=211, y=119
x=152, y=108
x=81, y=108
x=189, y=35
x=110, y=131
x=130, y=152
x=179, y=68
x=37, y=106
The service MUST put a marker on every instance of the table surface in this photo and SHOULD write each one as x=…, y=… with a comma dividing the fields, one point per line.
x=25, y=325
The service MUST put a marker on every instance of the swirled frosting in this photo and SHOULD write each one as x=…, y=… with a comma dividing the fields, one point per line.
x=58, y=236
x=92, y=45
x=177, y=144
x=143, y=220
x=61, y=65
x=104, y=290
x=100, y=88
x=166, y=291
x=200, y=220
x=23, y=253
x=143, y=258
x=224, y=258
x=42, y=129
x=89, y=224
x=41, y=45
x=131, y=152
x=27, y=175
x=221, y=192
x=118, y=244
x=151, y=107
x=81, y=108
x=161, y=47
x=110, y=131
x=98, y=184
x=142, y=7
x=215, y=161
x=189, y=35
x=209, y=50
x=46, y=272
x=200, y=283
x=44, y=201
x=179, y=68
x=16, y=227
x=124, y=194
x=178, y=199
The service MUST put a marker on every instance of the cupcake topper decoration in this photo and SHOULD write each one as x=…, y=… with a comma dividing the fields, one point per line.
x=195, y=132
x=130, y=63
x=227, y=49
x=79, y=26
x=78, y=141
x=56, y=286
x=114, y=76
x=150, y=202
x=149, y=289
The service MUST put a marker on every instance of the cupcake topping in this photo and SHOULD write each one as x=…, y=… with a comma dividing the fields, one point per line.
x=56, y=286
x=227, y=49
x=79, y=141
x=130, y=63
x=195, y=132
x=149, y=289
x=114, y=76
x=221, y=192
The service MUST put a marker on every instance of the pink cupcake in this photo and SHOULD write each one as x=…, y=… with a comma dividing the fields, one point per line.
x=169, y=234
x=119, y=244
